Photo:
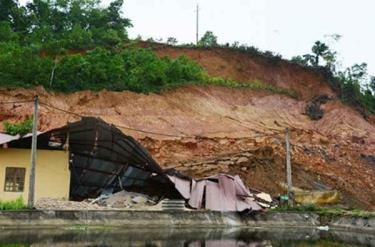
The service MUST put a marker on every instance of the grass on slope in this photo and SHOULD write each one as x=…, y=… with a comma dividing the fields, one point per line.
x=325, y=211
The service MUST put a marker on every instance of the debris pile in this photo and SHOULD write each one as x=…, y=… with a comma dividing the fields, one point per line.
x=264, y=200
x=219, y=193
x=120, y=200
x=123, y=199
x=59, y=204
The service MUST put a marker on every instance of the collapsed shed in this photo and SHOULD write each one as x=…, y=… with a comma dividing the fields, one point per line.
x=101, y=158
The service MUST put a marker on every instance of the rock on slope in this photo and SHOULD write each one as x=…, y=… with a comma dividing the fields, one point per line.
x=238, y=131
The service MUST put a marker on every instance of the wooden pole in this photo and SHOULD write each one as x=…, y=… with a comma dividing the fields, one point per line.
x=288, y=169
x=31, y=196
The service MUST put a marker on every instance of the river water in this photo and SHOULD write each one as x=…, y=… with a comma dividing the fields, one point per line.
x=106, y=237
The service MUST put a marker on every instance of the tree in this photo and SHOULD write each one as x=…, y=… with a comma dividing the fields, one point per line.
x=320, y=50
x=15, y=15
x=301, y=60
x=6, y=33
x=372, y=84
x=6, y=9
x=172, y=41
x=83, y=19
x=208, y=40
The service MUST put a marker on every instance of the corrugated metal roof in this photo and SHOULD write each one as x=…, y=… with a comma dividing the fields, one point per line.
x=5, y=138
x=102, y=156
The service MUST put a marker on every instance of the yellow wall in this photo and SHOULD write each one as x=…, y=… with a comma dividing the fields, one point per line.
x=52, y=175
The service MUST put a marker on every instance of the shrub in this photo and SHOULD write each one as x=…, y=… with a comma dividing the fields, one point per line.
x=209, y=39
x=135, y=69
x=20, y=66
x=21, y=128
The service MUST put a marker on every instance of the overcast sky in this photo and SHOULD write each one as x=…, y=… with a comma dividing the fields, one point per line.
x=288, y=27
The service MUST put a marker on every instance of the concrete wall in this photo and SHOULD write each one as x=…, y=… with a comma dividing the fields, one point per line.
x=169, y=219
x=52, y=173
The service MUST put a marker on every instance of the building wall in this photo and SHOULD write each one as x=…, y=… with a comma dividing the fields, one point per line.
x=52, y=175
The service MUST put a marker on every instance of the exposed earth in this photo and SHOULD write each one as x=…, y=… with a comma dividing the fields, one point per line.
x=238, y=131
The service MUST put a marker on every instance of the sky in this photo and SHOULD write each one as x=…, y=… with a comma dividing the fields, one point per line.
x=287, y=27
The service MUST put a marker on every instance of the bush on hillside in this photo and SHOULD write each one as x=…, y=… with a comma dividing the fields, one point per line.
x=21, y=128
x=135, y=69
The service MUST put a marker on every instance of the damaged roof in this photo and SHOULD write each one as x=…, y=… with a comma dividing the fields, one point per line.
x=102, y=156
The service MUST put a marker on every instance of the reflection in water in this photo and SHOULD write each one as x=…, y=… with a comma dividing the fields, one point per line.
x=81, y=237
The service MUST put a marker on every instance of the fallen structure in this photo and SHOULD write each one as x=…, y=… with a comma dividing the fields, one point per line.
x=220, y=193
x=103, y=161
x=101, y=158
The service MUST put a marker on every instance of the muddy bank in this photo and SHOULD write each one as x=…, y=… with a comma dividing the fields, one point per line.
x=201, y=219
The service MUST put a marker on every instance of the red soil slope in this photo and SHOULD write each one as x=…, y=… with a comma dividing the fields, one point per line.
x=237, y=65
x=214, y=126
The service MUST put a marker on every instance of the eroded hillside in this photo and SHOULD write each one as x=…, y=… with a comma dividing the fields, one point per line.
x=239, y=131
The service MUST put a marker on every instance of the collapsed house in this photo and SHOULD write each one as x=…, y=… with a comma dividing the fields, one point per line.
x=95, y=158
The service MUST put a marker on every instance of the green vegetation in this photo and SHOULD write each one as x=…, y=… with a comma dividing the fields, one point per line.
x=71, y=45
x=59, y=24
x=254, y=85
x=17, y=204
x=324, y=210
x=21, y=128
x=208, y=40
x=353, y=85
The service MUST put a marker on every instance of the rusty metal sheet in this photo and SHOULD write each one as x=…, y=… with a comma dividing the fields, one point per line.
x=197, y=192
x=228, y=192
x=214, y=197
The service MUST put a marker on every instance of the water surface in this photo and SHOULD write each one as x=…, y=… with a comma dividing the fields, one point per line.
x=80, y=236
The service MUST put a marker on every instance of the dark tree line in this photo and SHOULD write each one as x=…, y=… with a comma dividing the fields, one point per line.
x=58, y=24
x=71, y=45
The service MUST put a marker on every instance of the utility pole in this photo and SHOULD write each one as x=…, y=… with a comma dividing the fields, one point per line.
x=288, y=169
x=197, y=27
x=33, y=154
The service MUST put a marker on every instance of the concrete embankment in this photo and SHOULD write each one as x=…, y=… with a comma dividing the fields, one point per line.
x=152, y=219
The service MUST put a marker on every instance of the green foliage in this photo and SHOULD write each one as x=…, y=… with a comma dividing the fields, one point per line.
x=139, y=70
x=254, y=85
x=172, y=41
x=351, y=92
x=325, y=211
x=21, y=66
x=208, y=40
x=17, y=204
x=371, y=84
x=21, y=128
x=69, y=23
x=353, y=85
x=320, y=50
x=6, y=33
